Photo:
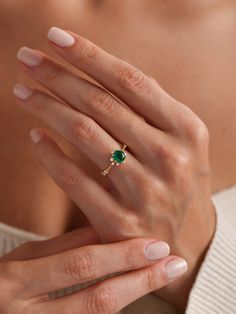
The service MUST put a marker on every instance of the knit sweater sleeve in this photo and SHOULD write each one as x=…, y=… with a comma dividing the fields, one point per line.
x=214, y=290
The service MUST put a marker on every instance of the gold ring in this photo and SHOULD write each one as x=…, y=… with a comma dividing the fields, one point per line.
x=117, y=157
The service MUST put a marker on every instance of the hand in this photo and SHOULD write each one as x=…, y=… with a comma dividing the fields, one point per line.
x=163, y=188
x=34, y=269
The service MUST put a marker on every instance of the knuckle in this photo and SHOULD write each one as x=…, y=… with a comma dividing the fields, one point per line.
x=176, y=157
x=89, y=54
x=154, y=278
x=130, y=257
x=178, y=162
x=129, y=228
x=132, y=79
x=82, y=130
x=181, y=172
x=181, y=176
x=161, y=151
x=80, y=266
x=68, y=178
x=102, y=103
x=102, y=301
x=201, y=132
x=149, y=279
x=181, y=162
x=198, y=132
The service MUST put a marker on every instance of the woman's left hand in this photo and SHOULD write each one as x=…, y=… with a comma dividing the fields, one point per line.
x=164, y=188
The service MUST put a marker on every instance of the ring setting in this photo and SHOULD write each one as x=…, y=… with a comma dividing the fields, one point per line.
x=118, y=157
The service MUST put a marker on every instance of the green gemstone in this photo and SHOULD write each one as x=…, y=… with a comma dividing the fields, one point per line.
x=119, y=156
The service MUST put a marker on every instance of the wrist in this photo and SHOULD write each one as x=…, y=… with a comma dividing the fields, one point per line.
x=192, y=244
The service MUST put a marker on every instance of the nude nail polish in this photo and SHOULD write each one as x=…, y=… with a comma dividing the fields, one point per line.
x=176, y=268
x=22, y=92
x=157, y=250
x=36, y=136
x=29, y=56
x=60, y=37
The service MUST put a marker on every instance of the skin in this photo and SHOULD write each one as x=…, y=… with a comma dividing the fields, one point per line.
x=184, y=85
x=35, y=194
x=77, y=257
x=166, y=168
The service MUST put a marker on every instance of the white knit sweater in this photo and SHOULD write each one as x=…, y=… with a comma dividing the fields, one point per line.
x=214, y=291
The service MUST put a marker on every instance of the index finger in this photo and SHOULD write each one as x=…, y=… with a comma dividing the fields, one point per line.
x=87, y=263
x=132, y=86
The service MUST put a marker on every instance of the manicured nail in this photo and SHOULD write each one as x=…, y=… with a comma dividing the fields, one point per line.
x=21, y=91
x=29, y=57
x=176, y=268
x=60, y=37
x=36, y=136
x=157, y=250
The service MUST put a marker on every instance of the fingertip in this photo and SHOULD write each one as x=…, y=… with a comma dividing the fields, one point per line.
x=36, y=136
x=175, y=268
x=157, y=250
x=22, y=92
x=60, y=37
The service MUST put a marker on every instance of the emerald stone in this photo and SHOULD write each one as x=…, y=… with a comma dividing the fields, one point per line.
x=119, y=156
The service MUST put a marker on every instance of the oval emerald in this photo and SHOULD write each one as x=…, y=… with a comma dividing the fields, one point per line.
x=119, y=156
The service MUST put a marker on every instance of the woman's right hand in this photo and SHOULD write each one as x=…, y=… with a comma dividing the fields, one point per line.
x=34, y=269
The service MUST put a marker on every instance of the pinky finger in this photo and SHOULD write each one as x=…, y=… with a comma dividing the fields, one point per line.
x=88, y=194
x=113, y=294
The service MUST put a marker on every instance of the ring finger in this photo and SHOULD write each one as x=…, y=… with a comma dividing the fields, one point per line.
x=84, y=133
x=88, y=98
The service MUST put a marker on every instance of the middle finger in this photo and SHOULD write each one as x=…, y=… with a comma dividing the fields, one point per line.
x=88, y=263
x=120, y=121
x=85, y=134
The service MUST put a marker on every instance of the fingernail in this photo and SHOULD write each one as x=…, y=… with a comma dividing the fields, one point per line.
x=157, y=250
x=22, y=92
x=176, y=268
x=29, y=57
x=36, y=136
x=60, y=37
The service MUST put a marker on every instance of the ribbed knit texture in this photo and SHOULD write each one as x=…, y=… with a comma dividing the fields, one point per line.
x=214, y=290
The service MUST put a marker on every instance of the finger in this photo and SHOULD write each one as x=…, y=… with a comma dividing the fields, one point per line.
x=132, y=86
x=85, y=134
x=89, y=263
x=112, y=295
x=96, y=203
x=70, y=240
x=91, y=100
